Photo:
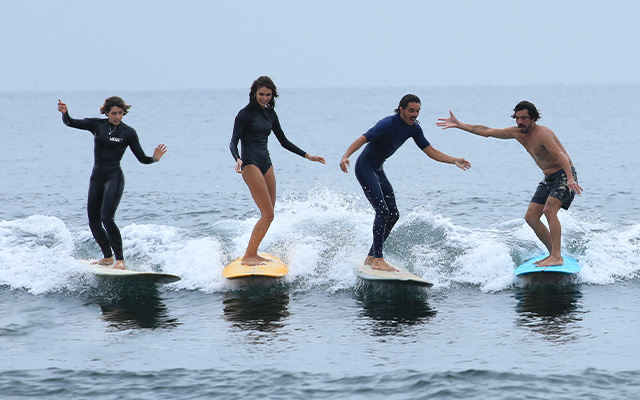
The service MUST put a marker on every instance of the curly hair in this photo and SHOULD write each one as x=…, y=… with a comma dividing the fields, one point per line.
x=114, y=101
x=527, y=105
x=263, y=81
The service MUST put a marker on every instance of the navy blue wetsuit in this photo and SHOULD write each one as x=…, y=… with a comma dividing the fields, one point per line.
x=383, y=140
x=252, y=127
x=107, y=180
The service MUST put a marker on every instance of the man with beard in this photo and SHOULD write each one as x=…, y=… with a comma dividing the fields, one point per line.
x=560, y=182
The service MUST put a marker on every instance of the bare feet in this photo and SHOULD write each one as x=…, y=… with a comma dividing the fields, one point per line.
x=253, y=260
x=382, y=265
x=368, y=260
x=119, y=265
x=541, y=260
x=104, y=261
x=550, y=261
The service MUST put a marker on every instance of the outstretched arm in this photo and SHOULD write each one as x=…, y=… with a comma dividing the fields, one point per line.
x=344, y=162
x=437, y=155
x=480, y=130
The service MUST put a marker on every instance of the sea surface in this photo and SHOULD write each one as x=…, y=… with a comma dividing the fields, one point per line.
x=478, y=333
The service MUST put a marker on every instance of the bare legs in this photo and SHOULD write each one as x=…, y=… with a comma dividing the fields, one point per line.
x=552, y=237
x=263, y=191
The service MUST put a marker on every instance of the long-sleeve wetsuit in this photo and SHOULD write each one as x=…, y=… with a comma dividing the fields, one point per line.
x=383, y=140
x=106, y=184
x=252, y=127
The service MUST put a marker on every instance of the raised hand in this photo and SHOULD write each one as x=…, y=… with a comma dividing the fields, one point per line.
x=159, y=152
x=62, y=107
x=451, y=122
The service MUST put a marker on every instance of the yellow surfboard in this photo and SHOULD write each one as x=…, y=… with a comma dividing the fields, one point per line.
x=274, y=268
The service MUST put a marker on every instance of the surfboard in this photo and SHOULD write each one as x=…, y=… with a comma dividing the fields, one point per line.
x=274, y=268
x=365, y=272
x=570, y=266
x=129, y=274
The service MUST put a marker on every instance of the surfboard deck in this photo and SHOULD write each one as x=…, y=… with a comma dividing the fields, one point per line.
x=570, y=266
x=274, y=268
x=129, y=274
x=403, y=276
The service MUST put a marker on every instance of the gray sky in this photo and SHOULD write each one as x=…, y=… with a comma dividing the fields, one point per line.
x=156, y=44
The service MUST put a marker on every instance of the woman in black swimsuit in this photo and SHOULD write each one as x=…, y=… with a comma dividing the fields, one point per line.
x=111, y=138
x=252, y=127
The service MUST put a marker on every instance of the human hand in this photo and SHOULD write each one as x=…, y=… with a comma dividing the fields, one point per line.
x=62, y=107
x=451, y=122
x=315, y=159
x=159, y=152
x=345, y=164
x=463, y=164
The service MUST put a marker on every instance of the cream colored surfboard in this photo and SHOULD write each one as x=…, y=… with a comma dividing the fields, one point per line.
x=401, y=276
x=274, y=268
x=128, y=274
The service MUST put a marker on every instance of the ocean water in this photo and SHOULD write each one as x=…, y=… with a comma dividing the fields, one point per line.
x=320, y=332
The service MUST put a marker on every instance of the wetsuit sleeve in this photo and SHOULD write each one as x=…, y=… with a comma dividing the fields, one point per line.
x=86, y=124
x=134, y=143
x=384, y=125
x=284, y=142
x=238, y=126
x=419, y=138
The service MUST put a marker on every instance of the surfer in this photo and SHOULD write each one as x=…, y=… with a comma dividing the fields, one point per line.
x=111, y=138
x=382, y=141
x=252, y=127
x=560, y=182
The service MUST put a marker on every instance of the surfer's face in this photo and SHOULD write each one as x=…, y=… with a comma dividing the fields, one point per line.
x=523, y=120
x=263, y=96
x=410, y=113
x=115, y=115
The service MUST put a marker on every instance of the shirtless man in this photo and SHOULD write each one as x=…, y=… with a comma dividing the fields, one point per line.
x=560, y=182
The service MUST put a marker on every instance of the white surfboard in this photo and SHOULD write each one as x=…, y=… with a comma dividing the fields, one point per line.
x=129, y=274
x=402, y=276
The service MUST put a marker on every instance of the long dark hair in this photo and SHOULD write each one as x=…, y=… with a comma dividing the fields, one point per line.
x=114, y=101
x=405, y=100
x=263, y=81
x=527, y=105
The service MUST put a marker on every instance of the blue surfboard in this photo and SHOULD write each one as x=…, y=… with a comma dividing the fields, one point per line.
x=570, y=266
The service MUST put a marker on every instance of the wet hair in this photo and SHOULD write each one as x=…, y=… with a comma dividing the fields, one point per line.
x=527, y=105
x=114, y=101
x=405, y=100
x=263, y=81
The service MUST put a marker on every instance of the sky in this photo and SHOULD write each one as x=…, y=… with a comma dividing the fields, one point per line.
x=197, y=44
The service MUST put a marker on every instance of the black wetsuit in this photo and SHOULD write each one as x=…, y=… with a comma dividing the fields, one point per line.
x=107, y=180
x=383, y=140
x=252, y=127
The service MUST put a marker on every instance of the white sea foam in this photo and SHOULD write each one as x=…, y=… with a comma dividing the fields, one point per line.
x=321, y=238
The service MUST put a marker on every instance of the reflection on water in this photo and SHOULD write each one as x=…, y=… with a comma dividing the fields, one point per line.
x=132, y=305
x=259, y=309
x=552, y=311
x=391, y=309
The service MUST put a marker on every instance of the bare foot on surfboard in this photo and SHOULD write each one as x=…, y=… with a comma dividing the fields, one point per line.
x=381, y=265
x=104, y=261
x=253, y=260
x=541, y=260
x=119, y=265
x=551, y=261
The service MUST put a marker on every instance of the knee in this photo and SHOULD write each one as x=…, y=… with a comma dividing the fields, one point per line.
x=394, y=215
x=531, y=218
x=383, y=212
x=550, y=212
x=267, y=216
